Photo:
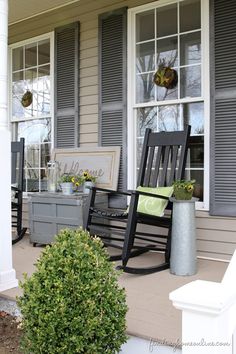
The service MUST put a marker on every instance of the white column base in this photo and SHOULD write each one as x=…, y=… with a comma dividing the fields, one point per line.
x=209, y=314
x=8, y=280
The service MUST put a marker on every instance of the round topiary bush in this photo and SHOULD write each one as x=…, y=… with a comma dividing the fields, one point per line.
x=73, y=303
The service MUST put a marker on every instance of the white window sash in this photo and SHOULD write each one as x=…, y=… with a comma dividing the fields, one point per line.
x=13, y=121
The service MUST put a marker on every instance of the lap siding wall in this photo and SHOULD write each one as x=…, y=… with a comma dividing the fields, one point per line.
x=216, y=236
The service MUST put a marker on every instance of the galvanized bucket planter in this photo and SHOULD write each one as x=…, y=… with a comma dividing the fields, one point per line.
x=183, y=260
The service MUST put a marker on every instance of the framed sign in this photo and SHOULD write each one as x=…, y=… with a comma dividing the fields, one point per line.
x=102, y=162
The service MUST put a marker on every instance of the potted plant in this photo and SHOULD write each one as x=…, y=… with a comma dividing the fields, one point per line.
x=183, y=238
x=73, y=303
x=89, y=181
x=68, y=182
x=183, y=189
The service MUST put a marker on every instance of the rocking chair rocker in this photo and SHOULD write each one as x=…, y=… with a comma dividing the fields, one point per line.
x=163, y=160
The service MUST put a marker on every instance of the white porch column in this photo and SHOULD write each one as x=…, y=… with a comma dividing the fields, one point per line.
x=208, y=314
x=7, y=273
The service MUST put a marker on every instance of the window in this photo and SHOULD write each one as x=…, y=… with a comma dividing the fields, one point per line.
x=169, y=33
x=31, y=70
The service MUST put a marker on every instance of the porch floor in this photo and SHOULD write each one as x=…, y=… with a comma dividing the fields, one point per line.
x=151, y=314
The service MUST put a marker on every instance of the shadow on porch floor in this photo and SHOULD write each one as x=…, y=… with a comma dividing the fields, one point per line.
x=151, y=314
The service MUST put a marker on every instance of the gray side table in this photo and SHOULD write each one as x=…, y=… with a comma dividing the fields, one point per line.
x=51, y=212
x=183, y=259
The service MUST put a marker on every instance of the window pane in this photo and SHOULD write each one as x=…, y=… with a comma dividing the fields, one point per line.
x=198, y=176
x=30, y=55
x=145, y=88
x=17, y=77
x=167, y=51
x=164, y=95
x=169, y=118
x=31, y=84
x=190, y=79
x=166, y=20
x=43, y=107
x=32, y=156
x=44, y=127
x=145, y=57
x=35, y=131
x=26, y=130
x=146, y=118
x=190, y=15
x=190, y=48
x=32, y=179
x=44, y=52
x=18, y=89
x=196, y=151
x=193, y=114
x=45, y=150
x=17, y=59
x=145, y=26
x=139, y=150
x=43, y=180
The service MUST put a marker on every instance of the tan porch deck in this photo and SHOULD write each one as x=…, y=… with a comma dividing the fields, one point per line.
x=151, y=314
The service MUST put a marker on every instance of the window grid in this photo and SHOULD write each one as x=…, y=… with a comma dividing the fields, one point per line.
x=36, y=124
x=180, y=100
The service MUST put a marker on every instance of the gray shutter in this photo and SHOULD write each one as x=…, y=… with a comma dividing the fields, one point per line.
x=67, y=86
x=113, y=89
x=223, y=108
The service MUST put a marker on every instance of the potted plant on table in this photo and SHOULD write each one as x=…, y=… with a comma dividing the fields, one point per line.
x=89, y=181
x=68, y=182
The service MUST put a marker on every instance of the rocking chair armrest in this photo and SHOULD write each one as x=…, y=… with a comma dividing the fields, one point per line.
x=150, y=195
x=111, y=191
x=15, y=189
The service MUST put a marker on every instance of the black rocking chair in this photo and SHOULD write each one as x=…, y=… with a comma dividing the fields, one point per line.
x=163, y=160
x=17, y=176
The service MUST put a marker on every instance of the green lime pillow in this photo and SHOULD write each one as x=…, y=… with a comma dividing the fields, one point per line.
x=151, y=205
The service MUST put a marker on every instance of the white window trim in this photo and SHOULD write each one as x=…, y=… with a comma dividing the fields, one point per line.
x=131, y=122
x=49, y=35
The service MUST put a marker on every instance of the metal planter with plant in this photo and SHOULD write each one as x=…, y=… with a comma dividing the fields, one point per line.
x=183, y=189
x=69, y=183
x=89, y=181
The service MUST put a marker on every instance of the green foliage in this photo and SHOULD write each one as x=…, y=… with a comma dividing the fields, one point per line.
x=69, y=178
x=73, y=303
x=88, y=177
x=183, y=189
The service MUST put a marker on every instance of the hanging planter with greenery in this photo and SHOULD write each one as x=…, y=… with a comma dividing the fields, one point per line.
x=27, y=99
x=165, y=76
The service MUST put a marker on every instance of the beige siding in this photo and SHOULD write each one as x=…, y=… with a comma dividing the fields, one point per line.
x=216, y=237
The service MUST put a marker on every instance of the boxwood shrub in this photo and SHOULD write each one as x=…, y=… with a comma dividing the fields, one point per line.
x=72, y=303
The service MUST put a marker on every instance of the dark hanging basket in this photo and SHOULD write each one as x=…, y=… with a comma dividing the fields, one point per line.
x=165, y=77
x=27, y=99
